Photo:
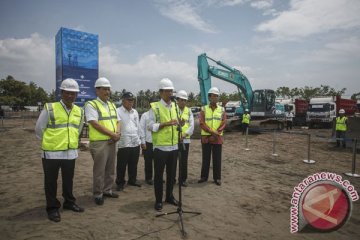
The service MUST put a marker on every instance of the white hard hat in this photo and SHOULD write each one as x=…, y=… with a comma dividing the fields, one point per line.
x=214, y=90
x=102, y=82
x=341, y=111
x=246, y=110
x=166, y=84
x=182, y=94
x=69, y=85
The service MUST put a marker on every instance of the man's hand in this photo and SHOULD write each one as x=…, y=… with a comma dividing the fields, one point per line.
x=115, y=137
x=143, y=146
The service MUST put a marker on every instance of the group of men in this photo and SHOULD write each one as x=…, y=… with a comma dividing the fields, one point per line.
x=116, y=136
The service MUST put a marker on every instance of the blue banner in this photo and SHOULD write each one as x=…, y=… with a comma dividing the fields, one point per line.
x=77, y=57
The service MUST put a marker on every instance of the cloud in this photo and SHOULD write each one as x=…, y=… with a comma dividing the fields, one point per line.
x=29, y=59
x=261, y=4
x=342, y=51
x=184, y=13
x=308, y=17
x=33, y=59
x=146, y=72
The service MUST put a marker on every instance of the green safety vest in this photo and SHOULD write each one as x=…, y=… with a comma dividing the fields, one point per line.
x=246, y=118
x=167, y=136
x=341, y=123
x=62, y=130
x=108, y=119
x=212, y=118
x=185, y=115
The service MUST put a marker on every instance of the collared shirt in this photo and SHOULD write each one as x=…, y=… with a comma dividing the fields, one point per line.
x=190, y=130
x=154, y=127
x=40, y=127
x=130, y=127
x=205, y=127
x=92, y=114
x=145, y=133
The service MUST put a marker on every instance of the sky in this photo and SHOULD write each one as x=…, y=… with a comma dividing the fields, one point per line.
x=275, y=43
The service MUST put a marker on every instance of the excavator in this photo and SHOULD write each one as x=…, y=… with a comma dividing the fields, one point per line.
x=261, y=103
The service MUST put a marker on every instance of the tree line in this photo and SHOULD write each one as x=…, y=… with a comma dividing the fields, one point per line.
x=18, y=93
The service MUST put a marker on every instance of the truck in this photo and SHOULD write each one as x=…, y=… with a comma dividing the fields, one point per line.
x=322, y=110
x=233, y=108
x=261, y=102
x=298, y=107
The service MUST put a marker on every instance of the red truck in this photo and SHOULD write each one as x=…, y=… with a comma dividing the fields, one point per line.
x=323, y=110
x=299, y=108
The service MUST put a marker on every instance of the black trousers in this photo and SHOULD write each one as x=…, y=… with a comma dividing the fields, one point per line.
x=183, y=157
x=289, y=124
x=341, y=134
x=209, y=149
x=162, y=159
x=148, y=161
x=51, y=171
x=129, y=157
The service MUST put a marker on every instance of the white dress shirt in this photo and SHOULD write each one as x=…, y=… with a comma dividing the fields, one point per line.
x=154, y=127
x=130, y=128
x=145, y=133
x=40, y=127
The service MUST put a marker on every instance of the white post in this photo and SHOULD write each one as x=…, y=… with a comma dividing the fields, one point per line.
x=353, y=174
x=308, y=155
x=246, y=139
x=274, y=144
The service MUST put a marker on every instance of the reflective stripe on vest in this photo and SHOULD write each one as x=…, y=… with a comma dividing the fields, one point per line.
x=106, y=118
x=185, y=116
x=246, y=118
x=167, y=136
x=62, y=131
x=341, y=123
x=213, y=119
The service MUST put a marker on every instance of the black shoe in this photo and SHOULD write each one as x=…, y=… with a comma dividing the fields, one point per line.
x=150, y=182
x=217, y=182
x=99, y=200
x=54, y=216
x=120, y=187
x=184, y=184
x=136, y=184
x=158, y=206
x=111, y=195
x=201, y=180
x=73, y=207
x=172, y=201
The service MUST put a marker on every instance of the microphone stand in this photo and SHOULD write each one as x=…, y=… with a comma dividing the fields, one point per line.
x=179, y=210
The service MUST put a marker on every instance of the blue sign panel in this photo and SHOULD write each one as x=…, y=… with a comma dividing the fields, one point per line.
x=77, y=57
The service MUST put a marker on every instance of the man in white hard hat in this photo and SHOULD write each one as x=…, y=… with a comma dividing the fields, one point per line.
x=187, y=128
x=163, y=124
x=212, y=123
x=129, y=143
x=245, y=121
x=341, y=127
x=59, y=127
x=104, y=132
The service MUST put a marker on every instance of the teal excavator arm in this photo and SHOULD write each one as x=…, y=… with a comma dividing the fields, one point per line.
x=227, y=74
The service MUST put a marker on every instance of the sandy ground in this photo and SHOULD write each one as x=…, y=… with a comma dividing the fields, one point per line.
x=252, y=203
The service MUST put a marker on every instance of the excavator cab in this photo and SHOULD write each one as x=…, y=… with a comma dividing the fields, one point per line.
x=263, y=104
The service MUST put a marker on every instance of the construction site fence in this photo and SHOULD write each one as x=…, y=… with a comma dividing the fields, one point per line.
x=317, y=137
